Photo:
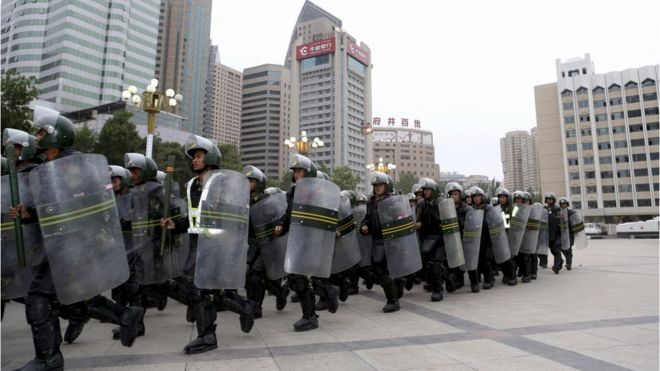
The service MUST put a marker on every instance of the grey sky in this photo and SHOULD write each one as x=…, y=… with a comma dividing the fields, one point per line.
x=466, y=69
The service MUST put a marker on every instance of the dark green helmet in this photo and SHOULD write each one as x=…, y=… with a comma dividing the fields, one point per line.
x=501, y=191
x=252, y=172
x=361, y=198
x=351, y=195
x=528, y=196
x=518, y=194
x=140, y=161
x=382, y=178
x=60, y=132
x=5, y=166
x=412, y=197
x=160, y=176
x=564, y=200
x=453, y=186
x=212, y=157
x=477, y=191
x=431, y=184
x=25, y=141
x=302, y=162
x=550, y=195
x=415, y=188
x=322, y=175
x=272, y=191
x=121, y=172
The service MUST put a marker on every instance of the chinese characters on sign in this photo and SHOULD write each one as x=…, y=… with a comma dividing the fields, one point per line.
x=391, y=121
x=357, y=52
x=316, y=48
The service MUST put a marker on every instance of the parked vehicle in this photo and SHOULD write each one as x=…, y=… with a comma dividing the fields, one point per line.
x=595, y=230
x=643, y=229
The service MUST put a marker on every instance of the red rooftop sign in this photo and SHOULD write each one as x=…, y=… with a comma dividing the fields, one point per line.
x=315, y=48
x=358, y=53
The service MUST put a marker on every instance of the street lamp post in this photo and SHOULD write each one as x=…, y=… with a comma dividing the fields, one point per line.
x=382, y=166
x=303, y=146
x=151, y=103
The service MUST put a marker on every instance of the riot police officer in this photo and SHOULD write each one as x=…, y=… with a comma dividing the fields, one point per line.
x=455, y=191
x=430, y=231
x=568, y=253
x=485, y=249
x=554, y=230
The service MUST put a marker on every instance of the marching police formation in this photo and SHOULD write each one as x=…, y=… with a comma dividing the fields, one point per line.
x=75, y=228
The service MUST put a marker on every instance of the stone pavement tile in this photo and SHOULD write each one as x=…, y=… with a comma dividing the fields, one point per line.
x=636, y=357
x=146, y=367
x=518, y=363
x=406, y=357
x=322, y=361
x=262, y=363
x=477, y=350
x=626, y=334
x=571, y=340
x=655, y=327
x=290, y=337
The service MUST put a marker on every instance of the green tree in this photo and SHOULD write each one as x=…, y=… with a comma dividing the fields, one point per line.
x=119, y=136
x=86, y=140
x=17, y=92
x=231, y=157
x=344, y=178
x=285, y=180
x=182, y=170
x=406, y=181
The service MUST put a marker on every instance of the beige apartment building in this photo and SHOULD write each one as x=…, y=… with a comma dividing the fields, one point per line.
x=410, y=150
x=598, y=139
x=223, y=104
x=519, y=161
x=330, y=90
x=265, y=120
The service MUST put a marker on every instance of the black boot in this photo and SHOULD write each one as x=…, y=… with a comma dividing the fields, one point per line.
x=73, y=330
x=46, y=335
x=309, y=321
x=280, y=302
x=205, y=317
x=332, y=293
x=390, y=289
x=244, y=308
x=474, y=280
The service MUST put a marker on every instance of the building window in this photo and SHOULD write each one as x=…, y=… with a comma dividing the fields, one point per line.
x=574, y=175
x=584, y=132
x=614, y=87
x=605, y=160
x=620, y=144
x=631, y=85
x=587, y=146
x=585, y=103
x=637, y=142
x=618, y=129
x=589, y=174
x=598, y=90
x=569, y=119
x=620, y=159
x=626, y=203
x=577, y=205
x=616, y=101
x=604, y=145
x=591, y=189
x=570, y=134
x=623, y=173
x=609, y=203
x=642, y=187
x=608, y=189
x=617, y=115
x=585, y=118
x=625, y=188
x=654, y=156
x=581, y=91
x=644, y=202
x=571, y=147
x=655, y=171
x=572, y=162
x=602, y=131
x=606, y=175
x=592, y=204
x=648, y=82
x=639, y=157
x=632, y=99
x=652, y=126
x=635, y=113
x=654, y=141
x=649, y=96
x=651, y=111
x=601, y=117
x=641, y=172
x=600, y=103
x=635, y=128
x=588, y=160
x=567, y=106
x=576, y=190
x=566, y=93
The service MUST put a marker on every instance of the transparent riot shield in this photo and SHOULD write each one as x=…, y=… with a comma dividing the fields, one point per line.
x=474, y=220
x=264, y=214
x=80, y=226
x=498, y=237
x=577, y=227
x=364, y=241
x=564, y=228
x=543, y=247
x=155, y=263
x=347, y=250
x=16, y=279
x=223, y=245
x=451, y=233
x=518, y=226
x=531, y=237
x=312, y=230
x=399, y=236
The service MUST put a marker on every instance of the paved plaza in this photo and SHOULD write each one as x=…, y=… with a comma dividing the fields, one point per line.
x=602, y=315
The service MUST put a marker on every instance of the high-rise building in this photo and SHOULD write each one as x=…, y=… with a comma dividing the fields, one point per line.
x=82, y=53
x=330, y=90
x=410, y=150
x=222, y=112
x=183, y=54
x=265, y=118
x=598, y=139
x=519, y=161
